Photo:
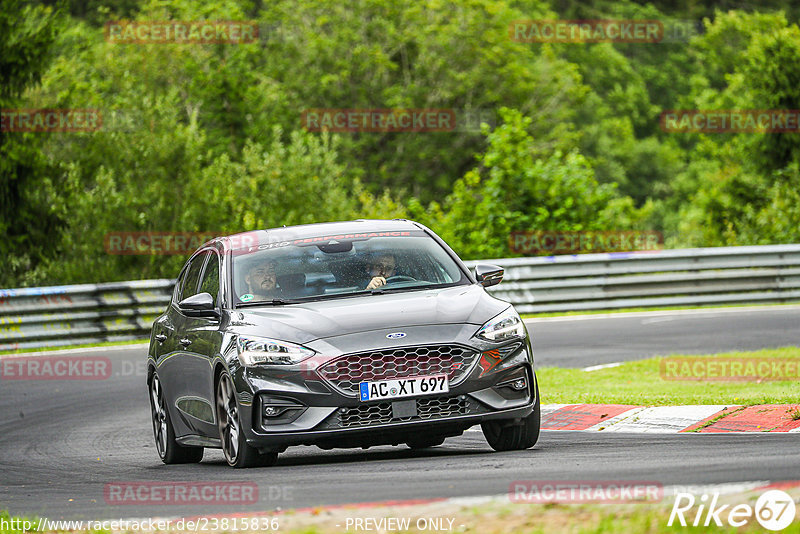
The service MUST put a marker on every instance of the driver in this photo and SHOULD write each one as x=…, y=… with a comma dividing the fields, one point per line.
x=380, y=268
x=261, y=280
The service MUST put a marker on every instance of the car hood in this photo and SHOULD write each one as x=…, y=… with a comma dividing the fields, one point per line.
x=302, y=323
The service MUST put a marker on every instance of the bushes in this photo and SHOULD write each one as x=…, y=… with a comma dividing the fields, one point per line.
x=213, y=140
x=514, y=190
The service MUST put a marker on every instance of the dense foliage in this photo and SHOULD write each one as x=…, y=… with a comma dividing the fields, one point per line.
x=209, y=137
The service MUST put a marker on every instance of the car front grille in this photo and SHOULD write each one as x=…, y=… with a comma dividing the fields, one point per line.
x=346, y=372
x=381, y=413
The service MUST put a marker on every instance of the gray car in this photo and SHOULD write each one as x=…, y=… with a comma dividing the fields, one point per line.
x=349, y=334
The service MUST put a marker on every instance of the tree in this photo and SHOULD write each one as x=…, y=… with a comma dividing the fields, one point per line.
x=27, y=34
x=516, y=190
x=427, y=54
x=744, y=194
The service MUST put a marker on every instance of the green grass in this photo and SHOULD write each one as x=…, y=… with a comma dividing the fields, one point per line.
x=657, y=308
x=499, y=518
x=640, y=383
x=6, y=525
x=27, y=525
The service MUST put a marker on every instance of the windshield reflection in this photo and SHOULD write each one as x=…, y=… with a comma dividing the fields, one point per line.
x=305, y=271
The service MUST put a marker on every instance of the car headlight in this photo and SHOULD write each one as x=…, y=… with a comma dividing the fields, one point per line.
x=265, y=351
x=502, y=327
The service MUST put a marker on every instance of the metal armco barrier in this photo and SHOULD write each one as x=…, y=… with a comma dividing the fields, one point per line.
x=67, y=315
x=88, y=313
x=680, y=277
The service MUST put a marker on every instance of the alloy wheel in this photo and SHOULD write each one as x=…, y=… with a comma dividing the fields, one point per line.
x=159, y=415
x=228, y=419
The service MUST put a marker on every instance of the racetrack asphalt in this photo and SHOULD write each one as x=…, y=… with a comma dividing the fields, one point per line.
x=600, y=339
x=62, y=442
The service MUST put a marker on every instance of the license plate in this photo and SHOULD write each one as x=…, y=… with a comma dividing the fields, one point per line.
x=403, y=387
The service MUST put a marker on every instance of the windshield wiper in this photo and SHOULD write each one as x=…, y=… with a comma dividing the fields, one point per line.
x=383, y=289
x=272, y=302
x=377, y=291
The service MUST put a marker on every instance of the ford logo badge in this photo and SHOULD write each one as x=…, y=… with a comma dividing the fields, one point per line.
x=395, y=335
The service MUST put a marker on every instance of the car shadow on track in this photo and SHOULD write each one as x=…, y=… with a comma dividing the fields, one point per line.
x=311, y=456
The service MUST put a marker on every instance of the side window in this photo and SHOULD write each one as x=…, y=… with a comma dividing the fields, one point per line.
x=189, y=287
x=210, y=282
x=176, y=292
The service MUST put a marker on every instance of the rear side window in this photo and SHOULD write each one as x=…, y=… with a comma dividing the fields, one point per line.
x=192, y=277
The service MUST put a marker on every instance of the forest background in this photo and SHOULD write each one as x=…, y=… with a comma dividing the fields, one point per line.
x=210, y=137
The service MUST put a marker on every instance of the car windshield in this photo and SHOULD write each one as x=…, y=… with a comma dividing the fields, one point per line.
x=340, y=266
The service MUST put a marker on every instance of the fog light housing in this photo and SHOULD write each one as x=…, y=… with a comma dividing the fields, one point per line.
x=519, y=384
x=273, y=411
x=280, y=411
x=515, y=385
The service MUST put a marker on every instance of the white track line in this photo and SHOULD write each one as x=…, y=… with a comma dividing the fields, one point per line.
x=611, y=421
x=76, y=351
x=601, y=366
x=662, y=313
x=663, y=419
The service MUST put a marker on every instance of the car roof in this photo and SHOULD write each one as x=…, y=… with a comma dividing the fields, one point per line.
x=305, y=231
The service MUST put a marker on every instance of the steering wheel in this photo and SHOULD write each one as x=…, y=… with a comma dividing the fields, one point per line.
x=400, y=278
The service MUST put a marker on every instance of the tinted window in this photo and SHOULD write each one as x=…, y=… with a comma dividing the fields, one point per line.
x=176, y=291
x=210, y=282
x=192, y=277
x=310, y=268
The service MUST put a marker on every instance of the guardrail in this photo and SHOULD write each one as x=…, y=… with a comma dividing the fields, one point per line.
x=90, y=313
x=680, y=277
x=87, y=313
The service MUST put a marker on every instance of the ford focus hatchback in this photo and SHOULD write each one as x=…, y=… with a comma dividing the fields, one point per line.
x=348, y=334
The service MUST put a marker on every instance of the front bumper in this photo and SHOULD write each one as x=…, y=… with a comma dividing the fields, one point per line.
x=322, y=415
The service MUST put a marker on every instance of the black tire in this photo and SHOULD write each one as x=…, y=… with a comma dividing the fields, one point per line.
x=424, y=443
x=503, y=436
x=234, y=445
x=168, y=449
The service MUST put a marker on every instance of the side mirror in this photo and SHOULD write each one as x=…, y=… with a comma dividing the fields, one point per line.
x=488, y=275
x=200, y=305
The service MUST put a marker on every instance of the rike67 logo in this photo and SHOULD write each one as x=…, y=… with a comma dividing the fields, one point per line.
x=774, y=510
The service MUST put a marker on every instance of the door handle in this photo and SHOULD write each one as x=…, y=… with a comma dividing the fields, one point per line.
x=186, y=342
x=161, y=338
